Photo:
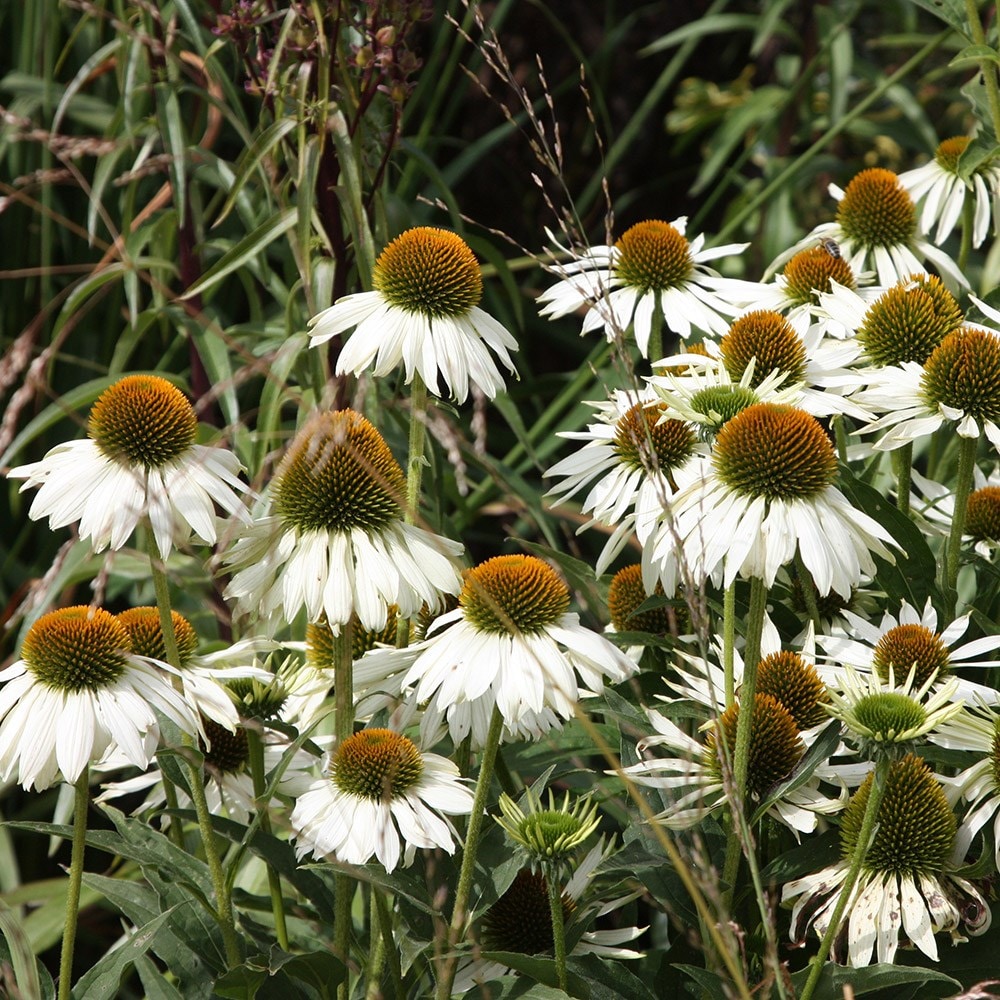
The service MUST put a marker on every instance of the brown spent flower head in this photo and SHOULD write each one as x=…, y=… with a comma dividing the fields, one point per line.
x=142, y=420
x=520, y=920
x=225, y=752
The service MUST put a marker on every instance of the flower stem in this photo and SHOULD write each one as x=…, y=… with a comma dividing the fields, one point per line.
x=223, y=898
x=558, y=926
x=868, y=822
x=809, y=594
x=902, y=460
x=968, y=222
x=415, y=456
x=255, y=747
x=80, y=806
x=986, y=66
x=963, y=487
x=458, y=915
x=383, y=914
x=729, y=641
x=748, y=691
x=343, y=695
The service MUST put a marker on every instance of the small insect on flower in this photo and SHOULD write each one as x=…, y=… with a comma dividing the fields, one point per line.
x=832, y=247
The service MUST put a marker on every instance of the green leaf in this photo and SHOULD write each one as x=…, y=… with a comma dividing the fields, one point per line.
x=817, y=754
x=952, y=12
x=263, y=143
x=248, y=247
x=318, y=969
x=973, y=56
x=241, y=983
x=542, y=970
x=717, y=24
x=153, y=982
x=19, y=953
x=874, y=978
x=102, y=980
x=608, y=980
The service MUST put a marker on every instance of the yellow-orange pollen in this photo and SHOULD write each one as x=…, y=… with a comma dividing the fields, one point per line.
x=811, y=272
x=950, y=151
x=775, y=452
x=876, y=210
x=429, y=271
x=77, y=648
x=653, y=256
x=376, y=764
x=143, y=626
x=513, y=592
x=142, y=420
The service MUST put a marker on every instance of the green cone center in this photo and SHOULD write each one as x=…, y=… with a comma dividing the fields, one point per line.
x=964, y=373
x=916, y=826
x=339, y=475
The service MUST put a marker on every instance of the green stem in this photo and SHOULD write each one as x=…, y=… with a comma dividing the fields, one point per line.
x=729, y=641
x=902, y=461
x=223, y=898
x=80, y=806
x=968, y=221
x=868, y=822
x=415, y=457
x=558, y=926
x=255, y=748
x=384, y=917
x=840, y=436
x=784, y=179
x=963, y=487
x=986, y=66
x=748, y=691
x=808, y=589
x=458, y=914
x=343, y=696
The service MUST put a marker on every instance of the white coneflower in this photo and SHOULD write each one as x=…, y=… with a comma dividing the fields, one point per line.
x=77, y=694
x=652, y=268
x=513, y=643
x=942, y=192
x=876, y=229
x=140, y=460
x=769, y=495
x=337, y=543
x=906, y=889
x=380, y=797
x=424, y=312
